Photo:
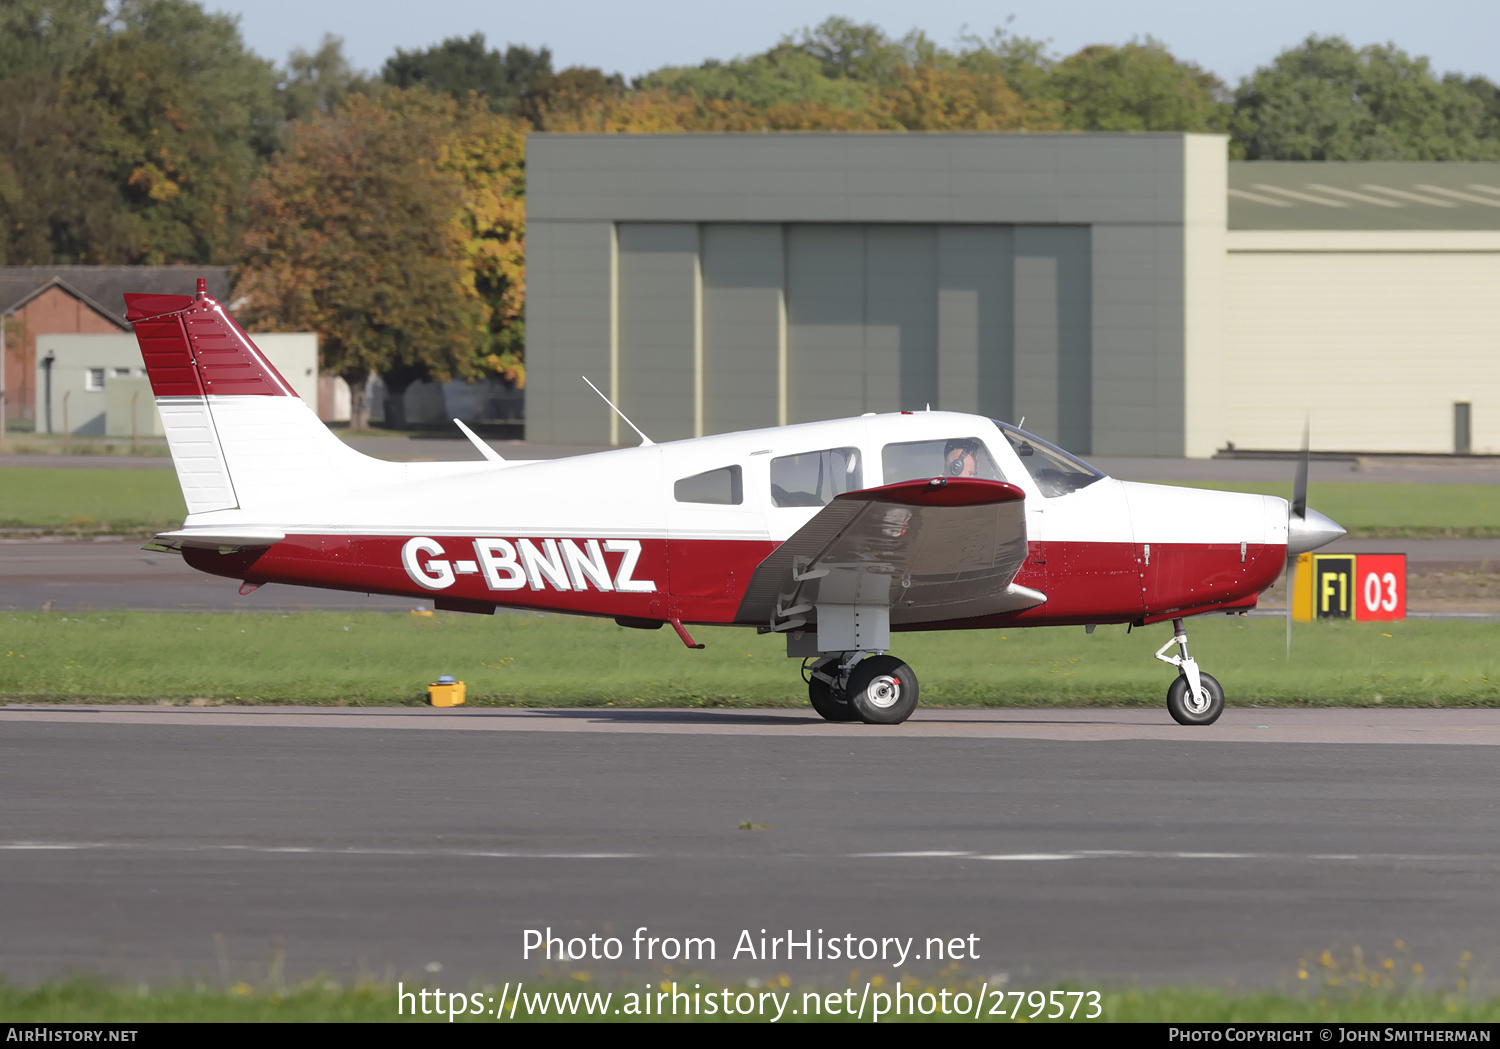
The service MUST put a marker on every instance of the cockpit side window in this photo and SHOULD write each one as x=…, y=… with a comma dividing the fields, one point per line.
x=953, y=457
x=814, y=478
x=722, y=487
x=1055, y=471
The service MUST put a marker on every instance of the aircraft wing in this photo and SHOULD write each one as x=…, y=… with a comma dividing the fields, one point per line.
x=945, y=548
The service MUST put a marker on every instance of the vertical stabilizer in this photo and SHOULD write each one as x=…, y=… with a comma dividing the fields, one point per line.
x=240, y=436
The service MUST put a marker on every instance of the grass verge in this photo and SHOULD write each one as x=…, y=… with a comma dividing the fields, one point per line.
x=1394, y=511
x=44, y=444
x=87, y=501
x=572, y=1001
x=541, y=660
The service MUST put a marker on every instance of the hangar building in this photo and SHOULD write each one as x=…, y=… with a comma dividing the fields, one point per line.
x=1130, y=294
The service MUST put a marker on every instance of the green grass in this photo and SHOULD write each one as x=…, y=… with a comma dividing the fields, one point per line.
x=87, y=1001
x=51, y=444
x=539, y=660
x=86, y=500
x=1394, y=511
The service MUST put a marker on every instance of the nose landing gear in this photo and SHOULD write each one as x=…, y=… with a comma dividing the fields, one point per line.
x=1194, y=698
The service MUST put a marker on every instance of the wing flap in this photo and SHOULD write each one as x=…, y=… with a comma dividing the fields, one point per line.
x=948, y=548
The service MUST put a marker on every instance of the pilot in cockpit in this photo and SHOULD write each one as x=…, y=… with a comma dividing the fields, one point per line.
x=961, y=458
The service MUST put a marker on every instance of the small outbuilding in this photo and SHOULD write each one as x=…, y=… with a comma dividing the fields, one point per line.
x=96, y=385
x=75, y=300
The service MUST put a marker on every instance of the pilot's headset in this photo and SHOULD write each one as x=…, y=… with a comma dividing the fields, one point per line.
x=956, y=467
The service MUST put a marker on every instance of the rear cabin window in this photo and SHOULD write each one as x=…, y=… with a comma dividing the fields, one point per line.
x=814, y=478
x=953, y=457
x=719, y=487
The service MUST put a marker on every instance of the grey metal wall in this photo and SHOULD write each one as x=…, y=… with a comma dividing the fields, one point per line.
x=862, y=331
x=721, y=282
x=744, y=269
x=569, y=324
x=976, y=319
x=1053, y=386
x=658, y=304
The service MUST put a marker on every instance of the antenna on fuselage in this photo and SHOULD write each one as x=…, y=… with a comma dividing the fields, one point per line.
x=644, y=439
x=484, y=449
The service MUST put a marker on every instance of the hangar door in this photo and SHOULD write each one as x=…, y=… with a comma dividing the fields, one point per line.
x=725, y=326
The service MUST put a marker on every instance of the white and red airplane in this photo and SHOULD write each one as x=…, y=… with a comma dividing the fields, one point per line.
x=835, y=534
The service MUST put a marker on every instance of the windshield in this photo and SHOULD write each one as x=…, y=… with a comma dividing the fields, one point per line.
x=1055, y=471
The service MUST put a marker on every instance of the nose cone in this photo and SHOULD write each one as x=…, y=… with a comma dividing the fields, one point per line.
x=1310, y=532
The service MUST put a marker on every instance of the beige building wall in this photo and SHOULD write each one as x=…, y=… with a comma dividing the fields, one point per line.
x=130, y=408
x=1371, y=335
x=81, y=401
x=1205, y=216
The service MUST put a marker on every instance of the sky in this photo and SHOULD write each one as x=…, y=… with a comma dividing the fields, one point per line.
x=1230, y=40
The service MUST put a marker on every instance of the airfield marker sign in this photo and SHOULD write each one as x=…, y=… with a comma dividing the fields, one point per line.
x=1380, y=586
x=1333, y=586
x=1362, y=587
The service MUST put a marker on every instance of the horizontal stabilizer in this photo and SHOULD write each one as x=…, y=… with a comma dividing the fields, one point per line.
x=205, y=539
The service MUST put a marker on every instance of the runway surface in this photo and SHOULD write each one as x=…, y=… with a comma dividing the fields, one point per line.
x=1103, y=846
x=88, y=576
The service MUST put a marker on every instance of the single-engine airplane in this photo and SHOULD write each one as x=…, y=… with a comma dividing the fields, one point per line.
x=834, y=534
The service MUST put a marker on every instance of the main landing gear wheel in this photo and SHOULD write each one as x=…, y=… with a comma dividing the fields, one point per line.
x=882, y=690
x=1203, y=709
x=826, y=700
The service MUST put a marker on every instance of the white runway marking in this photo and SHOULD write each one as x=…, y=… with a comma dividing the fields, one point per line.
x=145, y=846
x=1031, y=857
x=1145, y=854
x=935, y=854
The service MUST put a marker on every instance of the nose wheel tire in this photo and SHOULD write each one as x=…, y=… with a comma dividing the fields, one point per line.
x=826, y=700
x=1203, y=709
x=882, y=690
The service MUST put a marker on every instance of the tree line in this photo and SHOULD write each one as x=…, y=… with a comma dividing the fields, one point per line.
x=386, y=211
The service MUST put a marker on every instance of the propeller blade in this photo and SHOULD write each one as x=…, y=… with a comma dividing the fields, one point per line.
x=1291, y=588
x=1298, y=509
x=1299, y=490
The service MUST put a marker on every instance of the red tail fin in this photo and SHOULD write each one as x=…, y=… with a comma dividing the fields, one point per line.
x=193, y=347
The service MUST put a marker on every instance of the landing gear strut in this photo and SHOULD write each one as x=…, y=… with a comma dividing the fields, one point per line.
x=878, y=690
x=1194, y=698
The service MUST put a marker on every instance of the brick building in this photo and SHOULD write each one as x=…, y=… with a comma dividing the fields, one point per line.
x=53, y=300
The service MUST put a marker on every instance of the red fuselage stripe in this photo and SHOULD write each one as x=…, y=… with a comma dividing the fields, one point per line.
x=703, y=581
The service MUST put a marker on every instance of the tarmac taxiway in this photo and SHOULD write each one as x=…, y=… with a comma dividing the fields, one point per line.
x=1104, y=846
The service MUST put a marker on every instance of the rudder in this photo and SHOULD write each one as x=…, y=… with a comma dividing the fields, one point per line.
x=239, y=434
